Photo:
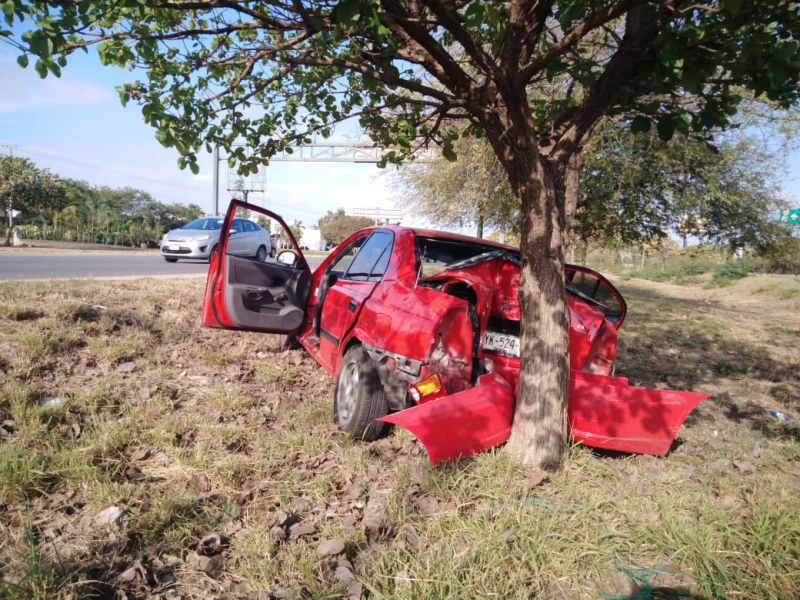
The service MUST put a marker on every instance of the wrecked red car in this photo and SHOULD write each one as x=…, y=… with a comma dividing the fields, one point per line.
x=421, y=330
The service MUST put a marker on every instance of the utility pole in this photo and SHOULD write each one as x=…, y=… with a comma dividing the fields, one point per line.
x=215, y=184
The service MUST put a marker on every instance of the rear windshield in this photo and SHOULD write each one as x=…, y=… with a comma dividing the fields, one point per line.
x=435, y=254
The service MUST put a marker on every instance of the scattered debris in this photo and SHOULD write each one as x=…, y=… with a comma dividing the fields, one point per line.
x=141, y=454
x=51, y=403
x=330, y=547
x=779, y=415
x=375, y=511
x=200, y=482
x=212, y=544
x=300, y=529
x=210, y=565
x=718, y=467
x=113, y=516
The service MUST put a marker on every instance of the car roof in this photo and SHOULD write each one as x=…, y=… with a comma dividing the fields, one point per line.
x=446, y=235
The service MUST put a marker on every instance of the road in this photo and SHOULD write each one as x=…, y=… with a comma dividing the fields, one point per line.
x=97, y=266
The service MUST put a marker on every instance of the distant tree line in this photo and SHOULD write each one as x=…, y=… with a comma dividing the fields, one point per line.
x=71, y=210
x=635, y=191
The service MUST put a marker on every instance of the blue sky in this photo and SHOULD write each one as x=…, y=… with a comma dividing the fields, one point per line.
x=76, y=127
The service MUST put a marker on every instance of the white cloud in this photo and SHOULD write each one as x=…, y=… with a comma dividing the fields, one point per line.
x=24, y=93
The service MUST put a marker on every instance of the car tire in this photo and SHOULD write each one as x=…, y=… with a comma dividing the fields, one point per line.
x=359, y=398
x=169, y=259
x=261, y=254
x=211, y=254
x=272, y=253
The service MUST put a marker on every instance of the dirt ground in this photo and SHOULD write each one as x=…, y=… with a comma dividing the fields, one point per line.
x=143, y=456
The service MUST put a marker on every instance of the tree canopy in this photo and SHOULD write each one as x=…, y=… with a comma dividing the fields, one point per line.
x=472, y=191
x=25, y=188
x=636, y=188
x=534, y=77
x=73, y=210
x=335, y=226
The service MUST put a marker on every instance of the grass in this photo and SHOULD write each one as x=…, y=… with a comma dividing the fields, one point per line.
x=227, y=433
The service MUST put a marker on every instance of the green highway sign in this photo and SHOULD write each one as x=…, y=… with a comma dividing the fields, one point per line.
x=791, y=216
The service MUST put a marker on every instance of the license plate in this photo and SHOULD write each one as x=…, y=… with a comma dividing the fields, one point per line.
x=502, y=343
x=174, y=247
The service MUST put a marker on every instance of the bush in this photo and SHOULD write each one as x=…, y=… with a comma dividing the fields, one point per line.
x=730, y=271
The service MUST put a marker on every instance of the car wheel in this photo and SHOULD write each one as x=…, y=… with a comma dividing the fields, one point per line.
x=359, y=398
x=211, y=254
x=261, y=254
x=168, y=259
x=272, y=253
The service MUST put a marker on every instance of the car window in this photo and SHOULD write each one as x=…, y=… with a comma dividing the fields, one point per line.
x=341, y=264
x=434, y=255
x=248, y=226
x=596, y=289
x=236, y=225
x=372, y=258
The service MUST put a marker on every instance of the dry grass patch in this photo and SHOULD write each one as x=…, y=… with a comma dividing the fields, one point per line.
x=231, y=480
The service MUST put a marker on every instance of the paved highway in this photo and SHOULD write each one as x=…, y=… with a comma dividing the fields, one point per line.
x=92, y=265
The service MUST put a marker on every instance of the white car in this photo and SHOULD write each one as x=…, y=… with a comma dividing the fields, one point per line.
x=199, y=239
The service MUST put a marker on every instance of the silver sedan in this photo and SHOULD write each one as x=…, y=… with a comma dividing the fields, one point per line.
x=199, y=240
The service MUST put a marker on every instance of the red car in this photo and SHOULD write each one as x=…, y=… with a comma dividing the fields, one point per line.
x=421, y=330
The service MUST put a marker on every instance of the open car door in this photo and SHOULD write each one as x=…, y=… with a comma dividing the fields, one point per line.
x=245, y=293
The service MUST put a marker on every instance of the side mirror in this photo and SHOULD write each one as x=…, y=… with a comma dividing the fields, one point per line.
x=287, y=258
x=232, y=231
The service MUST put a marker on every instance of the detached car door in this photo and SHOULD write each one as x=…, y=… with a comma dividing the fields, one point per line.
x=244, y=293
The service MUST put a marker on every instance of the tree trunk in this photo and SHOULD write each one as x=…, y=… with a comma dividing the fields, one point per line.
x=538, y=435
x=540, y=183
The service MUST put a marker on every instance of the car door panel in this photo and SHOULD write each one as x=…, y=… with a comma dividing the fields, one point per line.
x=263, y=295
x=346, y=295
x=243, y=293
x=340, y=310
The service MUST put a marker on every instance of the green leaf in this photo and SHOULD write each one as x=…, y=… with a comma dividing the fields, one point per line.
x=41, y=68
x=8, y=8
x=665, y=128
x=732, y=6
x=681, y=123
x=194, y=168
x=449, y=154
x=346, y=12
x=22, y=60
x=640, y=124
x=474, y=15
x=778, y=75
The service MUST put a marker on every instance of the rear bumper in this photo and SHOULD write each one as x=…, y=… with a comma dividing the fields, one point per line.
x=603, y=412
x=461, y=424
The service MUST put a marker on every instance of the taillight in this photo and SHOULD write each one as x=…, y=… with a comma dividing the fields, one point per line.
x=427, y=390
